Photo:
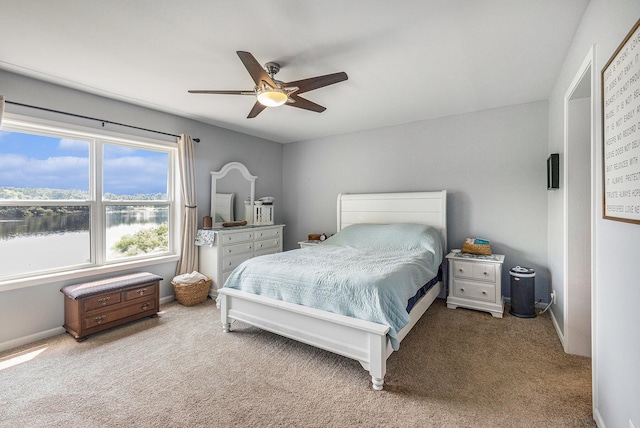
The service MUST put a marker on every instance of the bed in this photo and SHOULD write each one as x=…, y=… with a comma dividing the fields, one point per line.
x=366, y=341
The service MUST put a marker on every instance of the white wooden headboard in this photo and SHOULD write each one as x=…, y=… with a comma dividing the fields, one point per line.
x=428, y=208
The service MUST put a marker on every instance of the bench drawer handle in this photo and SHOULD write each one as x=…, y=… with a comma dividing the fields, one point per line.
x=98, y=320
x=141, y=291
x=104, y=300
x=144, y=306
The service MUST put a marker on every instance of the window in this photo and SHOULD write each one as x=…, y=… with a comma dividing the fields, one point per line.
x=71, y=200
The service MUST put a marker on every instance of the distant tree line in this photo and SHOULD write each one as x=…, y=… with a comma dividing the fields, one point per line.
x=8, y=194
x=17, y=213
x=43, y=193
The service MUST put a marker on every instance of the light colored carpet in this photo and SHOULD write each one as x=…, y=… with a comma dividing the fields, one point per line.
x=457, y=368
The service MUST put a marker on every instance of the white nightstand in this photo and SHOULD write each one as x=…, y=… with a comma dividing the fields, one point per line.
x=476, y=283
x=308, y=243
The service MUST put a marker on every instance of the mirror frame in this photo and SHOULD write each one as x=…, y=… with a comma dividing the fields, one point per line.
x=216, y=175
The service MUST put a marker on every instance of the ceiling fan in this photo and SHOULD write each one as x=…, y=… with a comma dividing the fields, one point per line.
x=274, y=93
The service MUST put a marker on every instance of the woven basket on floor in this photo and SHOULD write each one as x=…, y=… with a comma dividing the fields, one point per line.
x=482, y=249
x=191, y=294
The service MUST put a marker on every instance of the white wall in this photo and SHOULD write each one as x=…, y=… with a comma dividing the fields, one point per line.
x=616, y=291
x=31, y=313
x=492, y=164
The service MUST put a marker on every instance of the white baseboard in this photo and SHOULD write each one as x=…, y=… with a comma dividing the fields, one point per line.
x=598, y=418
x=539, y=305
x=558, y=331
x=10, y=344
x=25, y=340
x=167, y=299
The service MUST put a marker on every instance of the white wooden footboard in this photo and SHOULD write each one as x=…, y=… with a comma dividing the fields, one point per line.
x=360, y=340
x=353, y=338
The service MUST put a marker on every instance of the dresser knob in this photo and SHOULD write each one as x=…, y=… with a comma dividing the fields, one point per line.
x=462, y=289
x=144, y=306
x=461, y=270
x=98, y=320
x=141, y=291
x=484, y=292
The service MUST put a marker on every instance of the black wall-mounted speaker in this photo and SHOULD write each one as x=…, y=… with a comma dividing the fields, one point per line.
x=553, y=171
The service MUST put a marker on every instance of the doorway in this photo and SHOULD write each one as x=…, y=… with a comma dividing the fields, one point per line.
x=578, y=212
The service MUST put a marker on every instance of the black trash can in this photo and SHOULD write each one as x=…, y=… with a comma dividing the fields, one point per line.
x=523, y=287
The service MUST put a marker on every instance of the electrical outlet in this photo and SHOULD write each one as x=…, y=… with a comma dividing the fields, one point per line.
x=553, y=297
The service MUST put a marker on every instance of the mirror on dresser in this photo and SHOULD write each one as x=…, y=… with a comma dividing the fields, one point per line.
x=222, y=249
x=230, y=187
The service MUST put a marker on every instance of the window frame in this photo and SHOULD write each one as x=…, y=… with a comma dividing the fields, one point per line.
x=98, y=252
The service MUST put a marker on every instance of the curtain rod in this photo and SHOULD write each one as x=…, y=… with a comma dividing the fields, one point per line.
x=197, y=140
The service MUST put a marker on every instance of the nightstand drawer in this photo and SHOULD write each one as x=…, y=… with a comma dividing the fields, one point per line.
x=474, y=290
x=474, y=270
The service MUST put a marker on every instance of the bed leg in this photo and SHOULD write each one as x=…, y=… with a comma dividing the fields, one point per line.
x=377, y=383
x=377, y=360
x=224, y=310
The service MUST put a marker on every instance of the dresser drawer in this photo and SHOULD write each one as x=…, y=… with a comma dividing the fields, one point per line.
x=100, y=319
x=472, y=270
x=101, y=301
x=232, y=238
x=474, y=290
x=267, y=244
x=269, y=233
x=232, y=250
x=140, y=292
x=230, y=263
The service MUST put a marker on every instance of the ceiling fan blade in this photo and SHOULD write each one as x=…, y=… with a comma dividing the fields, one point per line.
x=305, y=104
x=197, y=91
x=256, y=110
x=312, y=83
x=258, y=74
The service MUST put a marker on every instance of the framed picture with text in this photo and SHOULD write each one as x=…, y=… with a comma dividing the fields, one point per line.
x=621, y=131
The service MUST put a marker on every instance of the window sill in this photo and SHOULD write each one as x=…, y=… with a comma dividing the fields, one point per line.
x=31, y=281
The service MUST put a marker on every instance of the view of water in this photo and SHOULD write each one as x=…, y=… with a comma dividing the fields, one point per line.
x=50, y=241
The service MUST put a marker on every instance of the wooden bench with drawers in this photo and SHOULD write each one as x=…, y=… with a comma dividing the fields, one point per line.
x=95, y=306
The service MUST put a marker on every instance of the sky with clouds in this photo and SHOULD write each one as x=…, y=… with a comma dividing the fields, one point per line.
x=30, y=161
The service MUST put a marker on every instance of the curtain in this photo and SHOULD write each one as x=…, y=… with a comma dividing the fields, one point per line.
x=1, y=108
x=189, y=254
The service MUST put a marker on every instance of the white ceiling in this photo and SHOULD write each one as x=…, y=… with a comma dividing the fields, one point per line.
x=406, y=60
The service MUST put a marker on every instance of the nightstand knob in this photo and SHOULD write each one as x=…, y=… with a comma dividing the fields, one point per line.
x=461, y=270
x=462, y=289
x=484, y=292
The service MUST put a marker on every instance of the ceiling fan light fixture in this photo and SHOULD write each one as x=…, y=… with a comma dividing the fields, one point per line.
x=272, y=97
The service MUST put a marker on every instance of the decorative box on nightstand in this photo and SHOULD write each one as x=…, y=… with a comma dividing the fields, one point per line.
x=475, y=282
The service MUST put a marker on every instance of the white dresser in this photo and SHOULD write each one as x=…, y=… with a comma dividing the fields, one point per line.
x=476, y=283
x=222, y=249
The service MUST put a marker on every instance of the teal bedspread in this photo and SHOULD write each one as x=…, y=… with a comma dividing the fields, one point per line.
x=366, y=271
